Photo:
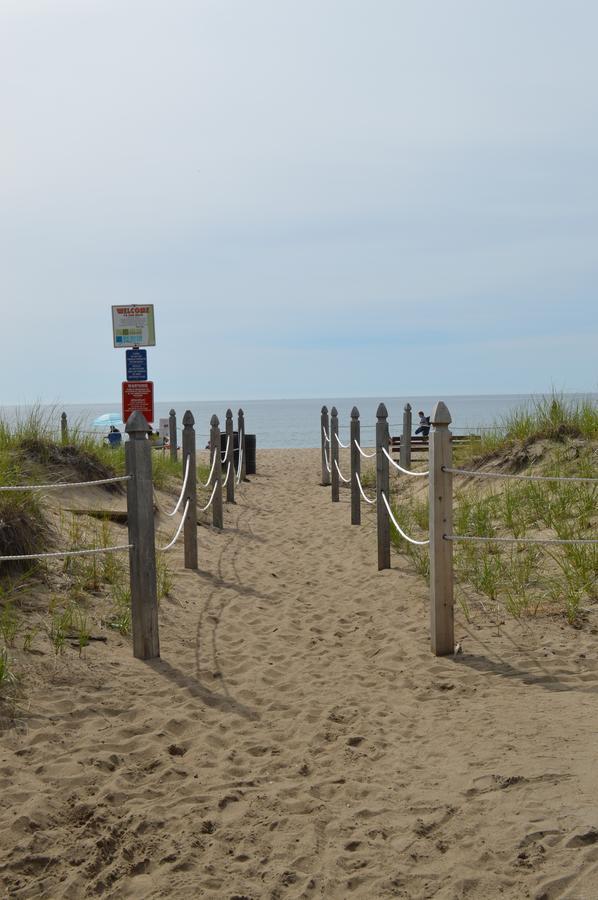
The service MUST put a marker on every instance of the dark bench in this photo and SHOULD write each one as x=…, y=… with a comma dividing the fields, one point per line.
x=420, y=444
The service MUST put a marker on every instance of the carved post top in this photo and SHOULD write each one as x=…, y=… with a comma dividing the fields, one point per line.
x=188, y=420
x=241, y=414
x=407, y=407
x=382, y=412
x=172, y=412
x=354, y=413
x=440, y=415
x=334, y=412
x=63, y=417
x=137, y=426
x=214, y=421
x=229, y=413
x=324, y=410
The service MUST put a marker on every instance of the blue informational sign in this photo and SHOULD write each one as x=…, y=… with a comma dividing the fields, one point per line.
x=136, y=365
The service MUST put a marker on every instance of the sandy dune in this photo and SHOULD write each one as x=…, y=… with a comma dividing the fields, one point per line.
x=298, y=739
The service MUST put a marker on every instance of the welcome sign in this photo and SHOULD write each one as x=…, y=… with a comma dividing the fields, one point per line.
x=133, y=326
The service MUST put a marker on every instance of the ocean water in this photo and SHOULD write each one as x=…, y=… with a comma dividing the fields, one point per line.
x=296, y=423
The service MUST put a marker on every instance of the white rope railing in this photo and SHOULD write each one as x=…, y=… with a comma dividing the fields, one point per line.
x=180, y=500
x=54, y=486
x=340, y=443
x=178, y=531
x=367, y=499
x=363, y=453
x=326, y=438
x=327, y=461
x=225, y=482
x=66, y=553
x=401, y=469
x=340, y=474
x=240, y=458
x=515, y=540
x=224, y=456
x=398, y=527
x=517, y=477
x=209, y=503
x=210, y=475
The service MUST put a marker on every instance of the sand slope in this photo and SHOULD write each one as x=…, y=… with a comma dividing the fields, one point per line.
x=297, y=738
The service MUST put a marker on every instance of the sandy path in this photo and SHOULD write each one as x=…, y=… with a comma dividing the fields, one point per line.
x=297, y=738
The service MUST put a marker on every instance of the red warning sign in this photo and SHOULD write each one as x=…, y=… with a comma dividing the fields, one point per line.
x=138, y=395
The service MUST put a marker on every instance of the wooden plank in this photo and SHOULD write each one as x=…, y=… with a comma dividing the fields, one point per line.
x=325, y=430
x=142, y=554
x=230, y=457
x=405, y=439
x=217, y=514
x=190, y=526
x=355, y=467
x=442, y=630
x=334, y=455
x=382, y=487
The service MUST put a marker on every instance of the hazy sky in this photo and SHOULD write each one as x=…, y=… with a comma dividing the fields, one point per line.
x=321, y=197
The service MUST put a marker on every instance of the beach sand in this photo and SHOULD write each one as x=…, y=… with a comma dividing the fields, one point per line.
x=297, y=738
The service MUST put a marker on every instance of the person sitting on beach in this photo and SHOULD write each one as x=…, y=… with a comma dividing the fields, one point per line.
x=424, y=425
x=114, y=436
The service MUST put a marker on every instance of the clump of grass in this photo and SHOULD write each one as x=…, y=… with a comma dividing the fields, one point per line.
x=7, y=676
x=412, y=517
x=24, y=530
x=120, y=618
x=9, y=624
x=164, y=578
x=368, y=477
x=551, y=417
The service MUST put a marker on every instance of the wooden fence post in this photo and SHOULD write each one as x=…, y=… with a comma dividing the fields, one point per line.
x=190, y=527
x=64, y=429
x=405, y=455
x=172, y=435
x=442, y=628
x=241, y=441
x=230, y=457
x=334, y=455
x=142, y=555
x=355, y=467
x=382, y=487
x=325, y=429
x=217, y=515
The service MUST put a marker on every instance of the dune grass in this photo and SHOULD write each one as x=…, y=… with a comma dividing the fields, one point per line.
x=522, y=580
x=552, y=418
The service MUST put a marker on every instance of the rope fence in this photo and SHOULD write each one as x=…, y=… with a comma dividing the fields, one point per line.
x=140, y=510
x=182, y=494
x=441, y=538
x=60, y=553
x=59, y=485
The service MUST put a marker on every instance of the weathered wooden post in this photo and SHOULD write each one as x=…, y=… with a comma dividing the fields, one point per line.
x=64, y=429
x=142, y=554
x=190, y=527
x=241, y=440
x=230, y=457
x=325, y=429
x=382, y=487
x=172, y=436
x=355, y=467
x=405, y=456
x=217, y=515
x=334, y=455
x=442, y=628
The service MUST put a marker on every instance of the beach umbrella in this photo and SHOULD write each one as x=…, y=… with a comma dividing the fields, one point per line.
x=108, y=419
